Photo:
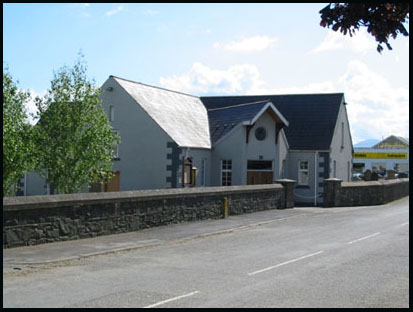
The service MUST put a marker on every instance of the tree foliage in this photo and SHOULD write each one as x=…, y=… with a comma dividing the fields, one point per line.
x=381, y=19
x=17, y=144
x=73, y=136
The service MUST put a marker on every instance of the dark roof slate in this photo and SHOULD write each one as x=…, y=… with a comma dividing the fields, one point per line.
x=312, y=117
x=224, y=119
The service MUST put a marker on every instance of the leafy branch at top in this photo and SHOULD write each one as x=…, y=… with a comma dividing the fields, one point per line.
x=381, y=19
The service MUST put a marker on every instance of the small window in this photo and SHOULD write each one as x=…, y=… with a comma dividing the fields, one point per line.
x=342, y=135
x=260, y=133
x=188, y=173
x=116, y=147
x=111, y=113
x=259, y=165
x=226, y=173
x=303, y=172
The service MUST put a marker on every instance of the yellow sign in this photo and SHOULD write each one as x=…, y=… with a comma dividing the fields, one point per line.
x=381, y=155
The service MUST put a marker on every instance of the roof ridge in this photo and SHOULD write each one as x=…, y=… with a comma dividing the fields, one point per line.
x=238, y=105
x=147, y=85
x=256, y=95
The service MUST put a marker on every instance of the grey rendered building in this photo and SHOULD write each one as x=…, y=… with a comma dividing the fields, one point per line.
x=316, y=143
x=171, y=139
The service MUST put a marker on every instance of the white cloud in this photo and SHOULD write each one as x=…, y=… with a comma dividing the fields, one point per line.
x=115, y=11
x=86, y=4
x=359, y=43
x=202, y=79
x=375, y=107
x=251, y=44
x=30, y=105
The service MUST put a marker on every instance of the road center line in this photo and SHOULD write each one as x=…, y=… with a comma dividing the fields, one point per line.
x=171, y=299
x=283, y=263
x=365, y=237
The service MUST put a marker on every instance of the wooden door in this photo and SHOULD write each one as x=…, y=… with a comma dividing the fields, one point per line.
x=113, y=185
x=259, y=177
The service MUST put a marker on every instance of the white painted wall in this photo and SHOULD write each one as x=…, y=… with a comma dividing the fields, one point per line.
x=265, y=149
x=143, y=148
x=305, y=194
x=198, y=155
x=341, y=148
x=282, y=155
x=233, y=146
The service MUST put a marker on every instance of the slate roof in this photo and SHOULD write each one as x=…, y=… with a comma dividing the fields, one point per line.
x=312, y=117
x=183, y=117
x=222, y=120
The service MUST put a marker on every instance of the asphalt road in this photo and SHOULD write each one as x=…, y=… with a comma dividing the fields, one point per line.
x=340, y=257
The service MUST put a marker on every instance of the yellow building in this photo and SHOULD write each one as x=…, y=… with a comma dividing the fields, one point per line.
x=391, y=153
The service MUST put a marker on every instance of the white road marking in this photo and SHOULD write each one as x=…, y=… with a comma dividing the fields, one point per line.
x=283, y=263
x=365, y=237
x=406, y=223
x=171, y=299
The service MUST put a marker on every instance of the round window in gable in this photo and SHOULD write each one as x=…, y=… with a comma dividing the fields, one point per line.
x=260, y=133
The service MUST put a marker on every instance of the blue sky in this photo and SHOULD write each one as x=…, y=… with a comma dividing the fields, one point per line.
x=214, y=49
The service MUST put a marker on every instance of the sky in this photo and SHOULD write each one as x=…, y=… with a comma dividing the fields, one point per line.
x=213, y=49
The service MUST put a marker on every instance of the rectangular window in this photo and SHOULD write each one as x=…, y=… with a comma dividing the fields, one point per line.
x=259, y=165
x=358, y=168
x=111, y=113
x=116, y=147
x=342, y=135
x=188, y=172
x=226, y=172
x=303, y=172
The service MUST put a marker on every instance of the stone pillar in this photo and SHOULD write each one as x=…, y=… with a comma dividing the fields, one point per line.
x=289, y=186
x=332, y=188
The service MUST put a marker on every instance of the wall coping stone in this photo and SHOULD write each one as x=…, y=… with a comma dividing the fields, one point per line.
x=79, y=199
x=371, y=183
x=285, y=180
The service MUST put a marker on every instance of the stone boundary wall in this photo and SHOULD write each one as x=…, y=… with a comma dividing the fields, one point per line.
x=339, y=194
x=35, y=220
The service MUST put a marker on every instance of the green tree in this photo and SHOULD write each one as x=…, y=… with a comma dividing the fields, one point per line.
x=17, y=144
x=73, y=136
x=381, y=19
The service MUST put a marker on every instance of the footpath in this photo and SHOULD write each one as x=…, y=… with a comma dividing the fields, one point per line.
x=16, y=258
